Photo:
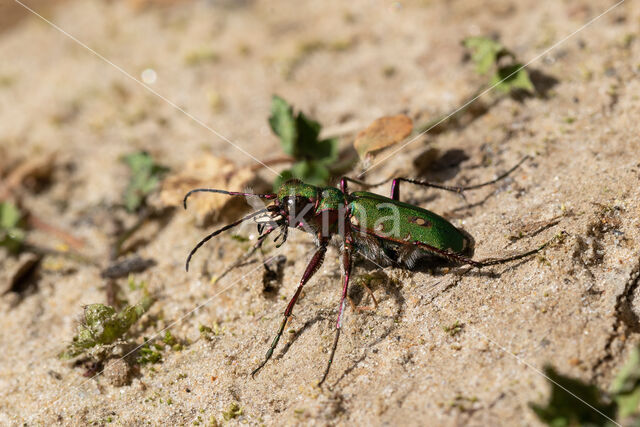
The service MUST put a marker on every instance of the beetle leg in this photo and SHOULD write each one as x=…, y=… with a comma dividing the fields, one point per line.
x=343, y=183
x=312, y=267
x=448, y=255
x=395, y=184
x=482, y=263
x=346, y=264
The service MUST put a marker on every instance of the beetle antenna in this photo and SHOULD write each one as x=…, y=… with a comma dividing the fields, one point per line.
x=225, y=228
x=229, y=193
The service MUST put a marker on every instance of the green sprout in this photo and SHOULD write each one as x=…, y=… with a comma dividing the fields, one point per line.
x=234, y=411
x=299, y=137
x=626, y=388
x=149, y=353
x=509, y=77
x=563, y=409
x=12, y=235
x=453, y=329
x=172, y=341
x=622, y=402
x=135, y=285
x=145, y=177
x=488, y=54
x=103, y=326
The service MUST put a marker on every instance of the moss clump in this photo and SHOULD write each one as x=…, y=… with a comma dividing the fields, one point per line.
x=232, y=412
x=103, y=326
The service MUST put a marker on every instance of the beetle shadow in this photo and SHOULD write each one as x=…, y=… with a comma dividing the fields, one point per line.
x=543, y=84
x=298, y=333
x=129, y=240
x=460, y=211
x=389, y=287
x=394, y=290
x=438, y=267
x=433, y=167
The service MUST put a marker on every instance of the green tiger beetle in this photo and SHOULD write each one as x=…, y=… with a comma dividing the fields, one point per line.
x=382, y=229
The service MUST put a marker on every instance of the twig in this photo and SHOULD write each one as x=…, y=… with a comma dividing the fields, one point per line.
x=61, y=234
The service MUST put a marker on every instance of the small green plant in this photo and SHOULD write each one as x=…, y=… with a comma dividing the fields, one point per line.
x=150, y=353
x=172, y=341
x=135, y=285
x=563, y=409
x=102, y=326
x=299, y=137
x=209, y=332
x=12, y=234
x=621, y=403
x=169, y=339
x=509, y=74
x=232, y=412
x=145, y=177
x=453, y=329
x=626, y=388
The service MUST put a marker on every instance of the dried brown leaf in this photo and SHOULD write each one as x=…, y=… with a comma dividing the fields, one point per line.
x=34, y=168
x=382, y=133
x=208, y=171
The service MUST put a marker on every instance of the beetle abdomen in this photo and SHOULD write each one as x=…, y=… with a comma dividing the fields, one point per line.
x=403, y=223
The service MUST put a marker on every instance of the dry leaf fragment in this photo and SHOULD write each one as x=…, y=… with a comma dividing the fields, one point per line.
x=382, y=133
x=33, y=168
x=208, y=171
x=16, y=270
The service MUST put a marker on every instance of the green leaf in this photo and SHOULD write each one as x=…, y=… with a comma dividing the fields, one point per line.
x=285, y=175
x=564, y=409
x=512, y=77
x=311, y=172
x=626, y=386
x=283, y=124
x=12, y=235
x=9, y=215
x=308, y=131
x=326, y=150
x=145, y=177
x=485, y=52
x=299, y=136
x=309, y=146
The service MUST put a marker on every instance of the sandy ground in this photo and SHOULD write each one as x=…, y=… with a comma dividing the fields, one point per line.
x=574, y=306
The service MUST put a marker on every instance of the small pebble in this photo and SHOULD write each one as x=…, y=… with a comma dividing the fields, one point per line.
x=116, y=371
